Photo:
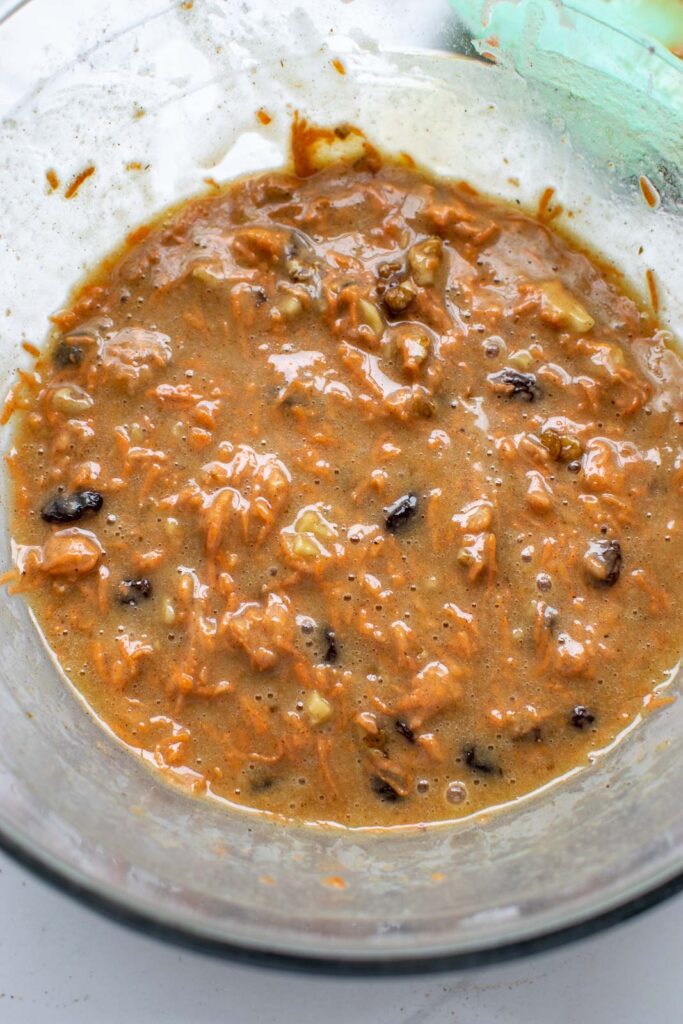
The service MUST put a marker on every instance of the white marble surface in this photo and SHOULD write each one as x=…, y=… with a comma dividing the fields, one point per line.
x=60, y=963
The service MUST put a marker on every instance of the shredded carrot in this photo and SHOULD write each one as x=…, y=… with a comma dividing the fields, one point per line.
x=76, y=182
x=333, y=511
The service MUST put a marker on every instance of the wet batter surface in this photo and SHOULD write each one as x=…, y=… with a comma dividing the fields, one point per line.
x=352, y=496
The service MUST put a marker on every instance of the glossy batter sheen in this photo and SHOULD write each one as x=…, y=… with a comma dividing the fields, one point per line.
x=350, y=495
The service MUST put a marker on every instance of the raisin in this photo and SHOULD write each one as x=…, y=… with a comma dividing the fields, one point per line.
x=479, y=764
x=544, y=582
x=92, y=500
x=532, y=735
x=67, y=508
x=384, y=790
x=388, y=269
x=398, y=513
x=581, y=717
x=379, y=742
x=398, y=297
x=603, y=561
x=66, y=355
x=130, y=591
x=260, y=296
x=331, y=652
x=515, y=384
x=260, y=783
x=404, y=729
x=561, y=447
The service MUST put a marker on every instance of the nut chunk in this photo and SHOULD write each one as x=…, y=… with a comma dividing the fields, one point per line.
x=71, y=553
x=265, y=633
x=478, y=549
x=413, y=344
x=424, y=259
x=310, y=543
x=562, y=310
x=318, y=709
x=131, y=355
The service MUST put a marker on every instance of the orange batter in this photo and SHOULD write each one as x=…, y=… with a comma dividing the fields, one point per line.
x=351, y=495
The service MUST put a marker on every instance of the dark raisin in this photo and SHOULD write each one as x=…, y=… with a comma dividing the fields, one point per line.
x=532, y=735
x=404, y=729
x=67, y=508
x=387, y=269
x=480, y=764
x=261, y=782
x=92, y=500
x=260, y=296
x=603, y=561
x=544, y=582
x=398, y=297
x=561, y=447
x=66, y=355
x=130, y=591
x=331, y=652
x=515, y=384
x=379, y=742
x=397, y=514
x=581, y=717
x=293, y=401
x=384, y=790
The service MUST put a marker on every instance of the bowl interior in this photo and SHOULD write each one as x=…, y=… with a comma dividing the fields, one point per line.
x=176, y=91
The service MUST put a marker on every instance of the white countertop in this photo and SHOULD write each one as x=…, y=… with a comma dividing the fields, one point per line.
x=61, y=963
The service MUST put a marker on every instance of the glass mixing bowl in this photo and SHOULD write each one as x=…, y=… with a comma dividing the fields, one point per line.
x=159, y=96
